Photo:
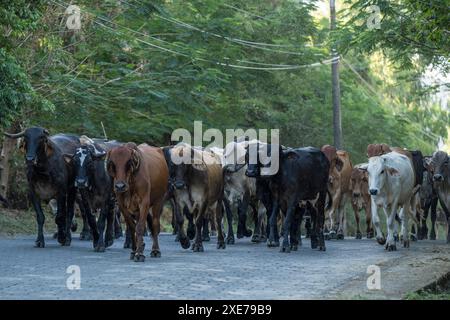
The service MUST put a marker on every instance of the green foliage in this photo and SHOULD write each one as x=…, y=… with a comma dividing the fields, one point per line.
x=145, y=68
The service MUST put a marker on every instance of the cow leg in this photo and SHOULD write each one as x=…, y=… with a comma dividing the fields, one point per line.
x=205, y=231
x=433, y=216
x=40, y=219
x=197, y=246
x=295, y=236
x=273, y=236
x=179, y=220
x=376, y=222
x=313, y=214
x=61, y=219
x=258, y=212
x=391, y=218
x=357, y=219
x=117, y=225
x=405, y=229
x=100, y=246
x=91, y=220
x=242, y=214
x=230, y=235
x=285, y=247
x=85, y=234
x=174, y=221
x=321, y=220
x=423, y=233
x=395, y=226
x=191, y=225
x=219, y=216
x=199, y=224
x=127, y=243
x=111, y=218
x=144, y=208
x=156, y=228
x=369, y=228
x=131, y=232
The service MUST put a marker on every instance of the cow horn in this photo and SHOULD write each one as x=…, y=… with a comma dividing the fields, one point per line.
x=14, y=135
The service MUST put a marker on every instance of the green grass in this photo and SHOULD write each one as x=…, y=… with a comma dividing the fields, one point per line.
x=428, y=295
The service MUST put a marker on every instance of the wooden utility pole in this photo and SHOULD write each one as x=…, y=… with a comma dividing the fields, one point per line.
x=336, y=91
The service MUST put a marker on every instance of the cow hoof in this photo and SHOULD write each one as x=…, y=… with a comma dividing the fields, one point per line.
x=206, y=238
x=126, y=245
x=132, y=254
x=109, y=243
x=99, y=248
x=155, y=254
x=118, y=234
x=358, y=235
x=314, y=243
x=332, y=235
x=66, y=242
x=285, y=249
x=327, y=236
x=396, y=238
x=391, y=247
x=406, y=244
x=190, y=232
x=432, y=235
x=413, y=238
x=248, y=233
x=55, y=235
x=322, y=248
x=138, y=257
x=369, y=235
x=85, y=236
x=256, y=238
x=39, y=243
x=230, y=240
x=221, y=245
x=185, y=243
x=174, y=232
x=294, y=247
x=177, y=238
x=74, y=226
x=197, y=247
x=273, y=243
x=340, y=236
x=381, y=240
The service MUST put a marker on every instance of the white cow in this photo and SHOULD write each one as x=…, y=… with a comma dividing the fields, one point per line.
x=391, y=186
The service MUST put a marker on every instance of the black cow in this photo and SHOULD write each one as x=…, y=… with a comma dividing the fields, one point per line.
x=177, y=219
x=96, y=190
x=49, y=177
x=302, y=175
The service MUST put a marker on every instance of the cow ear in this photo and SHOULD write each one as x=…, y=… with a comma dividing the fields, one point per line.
x=200, y=166
x=48, y=149
x=393, y=171
x=363, y=167
x=136, y=160
x=67, y=158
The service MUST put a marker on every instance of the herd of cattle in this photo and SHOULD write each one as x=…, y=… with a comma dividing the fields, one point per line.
x=136, y=181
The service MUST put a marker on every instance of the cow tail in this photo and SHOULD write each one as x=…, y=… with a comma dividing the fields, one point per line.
x=330, y=200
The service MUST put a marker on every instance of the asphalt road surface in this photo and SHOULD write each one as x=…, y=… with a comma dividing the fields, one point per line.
x=242, y=271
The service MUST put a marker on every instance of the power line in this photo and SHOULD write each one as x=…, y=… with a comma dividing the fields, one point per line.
x=274, y=67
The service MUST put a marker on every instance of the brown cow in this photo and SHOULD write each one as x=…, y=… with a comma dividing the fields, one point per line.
x=140, y=182
x=377, y=149
x=339, y=187
x=198, y=181
x=359, y=186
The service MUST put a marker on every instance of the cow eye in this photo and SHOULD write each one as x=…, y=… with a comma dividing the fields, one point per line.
x=382, y=171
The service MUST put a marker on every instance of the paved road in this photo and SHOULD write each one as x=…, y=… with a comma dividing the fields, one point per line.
x=242, y=271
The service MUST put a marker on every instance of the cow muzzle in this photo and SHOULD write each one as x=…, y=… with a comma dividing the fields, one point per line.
x=373, y=192
x=120, y=187
x=179, y=184
x=81, y=183
x=356, y=194
x=31, y=160
x=438, y=177
x=251, y=174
